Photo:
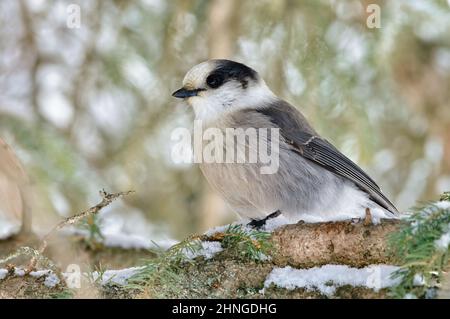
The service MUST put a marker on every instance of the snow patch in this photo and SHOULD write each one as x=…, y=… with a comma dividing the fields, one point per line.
x=132, y=230
x=19, y=272
x=274, y=223
x=131, y=241
x=327, y=278
x=3, y=273
x=119, y=277
x=443, y=204
x=208, y=250
x=127, y=229
x=40, y=273
x=218, y=229
x=443, y=242
x=263, y=257
x=51, y=280
x=271, y=225
x=419, y=280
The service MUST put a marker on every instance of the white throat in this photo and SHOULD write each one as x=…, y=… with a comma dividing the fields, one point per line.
x=230, y=99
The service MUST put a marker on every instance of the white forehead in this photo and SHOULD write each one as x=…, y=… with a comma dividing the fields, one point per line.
x=195, y=78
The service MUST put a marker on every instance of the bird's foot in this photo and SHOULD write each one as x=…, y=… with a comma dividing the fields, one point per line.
x=368, y=218
x=258, y=223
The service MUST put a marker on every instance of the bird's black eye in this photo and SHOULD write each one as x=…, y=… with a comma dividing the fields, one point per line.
x=214, y=80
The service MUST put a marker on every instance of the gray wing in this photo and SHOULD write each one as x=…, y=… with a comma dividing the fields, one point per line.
x=307, y=143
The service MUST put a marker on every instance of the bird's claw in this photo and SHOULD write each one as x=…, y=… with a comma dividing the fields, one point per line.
x=259, y=223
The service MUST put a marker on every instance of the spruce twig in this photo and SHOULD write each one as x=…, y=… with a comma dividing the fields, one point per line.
x=107, y=199
x=416, y=248
x=37, y=254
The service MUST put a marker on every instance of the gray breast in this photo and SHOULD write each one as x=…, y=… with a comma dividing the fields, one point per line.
x=298, y=185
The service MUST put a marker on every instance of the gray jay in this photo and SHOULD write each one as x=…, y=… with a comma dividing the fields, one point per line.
x=314, y=182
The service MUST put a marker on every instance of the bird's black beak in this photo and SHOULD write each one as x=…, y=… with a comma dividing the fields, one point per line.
x=185, y=93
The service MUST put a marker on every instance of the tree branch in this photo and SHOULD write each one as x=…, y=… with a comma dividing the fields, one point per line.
x=356, y=244
x=106, y=200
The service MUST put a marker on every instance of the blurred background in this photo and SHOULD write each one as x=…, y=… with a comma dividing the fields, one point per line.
x=90, y=107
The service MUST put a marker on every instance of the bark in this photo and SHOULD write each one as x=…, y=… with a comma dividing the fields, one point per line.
x=355, y=244
x=298, y=245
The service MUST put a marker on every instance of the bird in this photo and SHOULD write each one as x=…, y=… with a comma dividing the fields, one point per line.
x=15, y=195
x=314, y=181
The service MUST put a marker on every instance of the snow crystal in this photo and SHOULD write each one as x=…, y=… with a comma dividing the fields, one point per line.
x=119, y=277
x=3, y=273
x=327, y=278
x=208, y=250
x=410, y=296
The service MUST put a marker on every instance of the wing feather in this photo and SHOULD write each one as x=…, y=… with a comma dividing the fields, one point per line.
x=307, y=143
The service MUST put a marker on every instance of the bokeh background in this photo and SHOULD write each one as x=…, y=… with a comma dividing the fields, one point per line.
x=89, y=108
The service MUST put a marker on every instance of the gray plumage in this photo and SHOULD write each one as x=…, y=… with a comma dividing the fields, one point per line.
x=314, y=182
x=307, y=143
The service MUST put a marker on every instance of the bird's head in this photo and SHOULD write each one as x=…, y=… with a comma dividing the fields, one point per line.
x=216, y=87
